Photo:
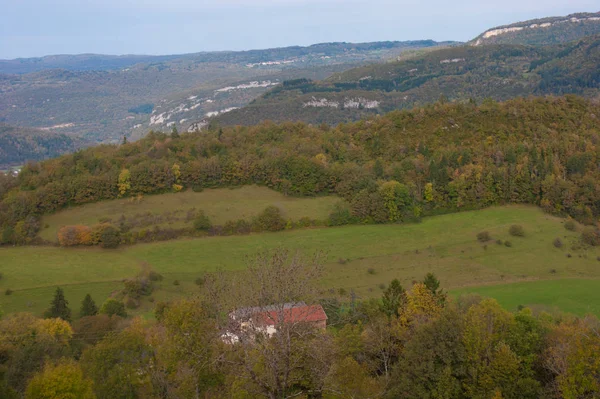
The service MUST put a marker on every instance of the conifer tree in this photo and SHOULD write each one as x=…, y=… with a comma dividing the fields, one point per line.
x=88, y=307
x=392, y=298
x=59, y=307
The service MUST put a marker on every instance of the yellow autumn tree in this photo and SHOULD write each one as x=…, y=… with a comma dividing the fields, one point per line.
x=63, y=380
x=124, y=183
x=53, y=330
x=421, y=304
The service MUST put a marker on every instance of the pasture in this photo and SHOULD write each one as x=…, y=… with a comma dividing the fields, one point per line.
x=362, y=259
x=170, y=210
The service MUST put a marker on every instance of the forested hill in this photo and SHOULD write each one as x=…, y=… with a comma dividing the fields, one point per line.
x=458, y=73
x=19, y=145
x=544, y=31
x=441, y=158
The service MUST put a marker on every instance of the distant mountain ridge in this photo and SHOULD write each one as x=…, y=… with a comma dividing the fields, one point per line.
x=543, y=31
x=105, y=105
x=102, y=62
x=460, y=73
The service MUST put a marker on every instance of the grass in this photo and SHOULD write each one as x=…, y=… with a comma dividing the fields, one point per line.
x=568, y=295
x=220, y=205
x=445, y=245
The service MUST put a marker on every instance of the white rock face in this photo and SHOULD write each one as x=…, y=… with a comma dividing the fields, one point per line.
x=251, y=85
x=501, y=31
x=223, y=111
x=321, y=103
x=61, y=126
x=453, y=60
x=197, y=126
x=356, y=103
x=349, y=103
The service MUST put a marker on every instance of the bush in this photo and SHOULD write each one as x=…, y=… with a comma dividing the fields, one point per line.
x=132, y=303
x=1, y=276
x=483, y=236
x=342, y=292
x=591, y=236
x=113, y=307
x=557, y=243
x=69, y=236
x=342, y=261
x=8, y=291
x=270, y=220
x=176, y=282
x=199, y=281
x=571, y=225
x=370, y=270
x=499, y=242
x=516, y=230
x=202, y=222
x=507, y=243
x=341, y=215
x=381, y=286
x=110, y=237
x=154, y=276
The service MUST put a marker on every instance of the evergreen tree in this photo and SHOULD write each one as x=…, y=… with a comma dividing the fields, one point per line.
x=124, y=139
x=431, y=282
x=88, y=307
x=174, y=133
x=392, y=299
x=59, y=307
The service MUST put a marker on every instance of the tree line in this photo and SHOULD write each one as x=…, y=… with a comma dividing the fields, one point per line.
x=444, y=157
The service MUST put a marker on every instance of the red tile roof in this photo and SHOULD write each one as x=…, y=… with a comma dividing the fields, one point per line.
x=296, y=314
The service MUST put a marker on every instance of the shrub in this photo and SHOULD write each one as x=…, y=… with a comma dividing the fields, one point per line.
x=569, y=256
x=381, y=286
x=176, y=282
x=199, y=281
x=110, y=237
x=483, y=236
x=202, y=222
x=342, y=261
x=154, y=276
x=132, y=303
x=591, y=236
x=270, y=220
x=507, y=243
x=69, y=236
x=516, y=230
x=553, y=271
x=557, y=243
x=137, y=287
x=159, y=310
x=341, y=215
x=113, y=307
x=571, y=225
x=499, y=242
x=370, y=270
x=1, y=275
x=8, y=291
x=342, y=292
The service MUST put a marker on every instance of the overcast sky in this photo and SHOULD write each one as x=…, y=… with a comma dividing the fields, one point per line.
x=31, y=28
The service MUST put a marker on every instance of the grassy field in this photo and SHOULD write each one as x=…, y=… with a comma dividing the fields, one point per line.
x=221, y=205
x=568, y=295
x=359, y=258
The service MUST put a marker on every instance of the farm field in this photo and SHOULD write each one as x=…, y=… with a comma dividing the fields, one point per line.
x=220, y=205
x=358, y=258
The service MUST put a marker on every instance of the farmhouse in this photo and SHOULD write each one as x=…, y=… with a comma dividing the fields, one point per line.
x=267, y=320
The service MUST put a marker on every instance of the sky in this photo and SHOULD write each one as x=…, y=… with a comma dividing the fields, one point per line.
x=33, y=28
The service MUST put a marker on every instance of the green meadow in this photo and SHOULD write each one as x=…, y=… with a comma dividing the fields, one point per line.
x=362, y=259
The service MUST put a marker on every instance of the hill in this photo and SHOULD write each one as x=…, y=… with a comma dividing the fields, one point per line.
x=544, y=31
x=445, y=245
x=103, y=98
x=19, y=145
x=459, y=74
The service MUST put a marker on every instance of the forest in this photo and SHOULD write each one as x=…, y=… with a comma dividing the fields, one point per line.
x=445, y=157
x=410, y=343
